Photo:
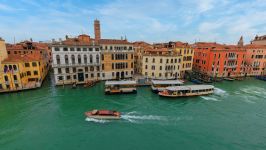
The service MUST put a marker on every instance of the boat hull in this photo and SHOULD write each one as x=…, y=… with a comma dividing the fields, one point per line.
x=104, y=117
x=184, y=95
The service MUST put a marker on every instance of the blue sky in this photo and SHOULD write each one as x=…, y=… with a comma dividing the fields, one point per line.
x=222, y=21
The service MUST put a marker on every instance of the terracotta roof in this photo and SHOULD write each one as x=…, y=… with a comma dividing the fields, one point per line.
x=113, y=41
x=23, y=58
x=217, y=46
x=27, y=45
x=254, y=46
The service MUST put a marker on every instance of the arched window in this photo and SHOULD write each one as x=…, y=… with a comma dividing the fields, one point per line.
x=97, y=58
x=73, y=59
x=79, y=59
x=15, y=67
x=91, y=59
x=5, y=68
x=57, y=59
x=85, y=59
x=66, y=59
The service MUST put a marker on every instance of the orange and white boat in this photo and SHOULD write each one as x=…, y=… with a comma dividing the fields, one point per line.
x=103, y=114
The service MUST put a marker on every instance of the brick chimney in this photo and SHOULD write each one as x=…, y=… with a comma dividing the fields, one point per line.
x=97, y=30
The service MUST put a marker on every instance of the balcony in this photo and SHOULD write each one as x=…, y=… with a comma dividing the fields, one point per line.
x=234, y=66
x=75, y=65
x=231, y=58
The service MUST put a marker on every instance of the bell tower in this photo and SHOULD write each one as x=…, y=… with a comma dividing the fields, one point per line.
x=97, y=30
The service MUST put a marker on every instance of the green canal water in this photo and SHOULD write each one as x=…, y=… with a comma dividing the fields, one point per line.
x=52, y=118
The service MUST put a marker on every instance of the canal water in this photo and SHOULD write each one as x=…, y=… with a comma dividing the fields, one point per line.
x=52, y=118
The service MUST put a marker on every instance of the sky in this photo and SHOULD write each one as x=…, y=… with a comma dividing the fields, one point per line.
x=222, y=21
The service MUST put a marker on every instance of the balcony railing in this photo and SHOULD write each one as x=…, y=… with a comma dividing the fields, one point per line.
x=76, y=65
x=234, y=66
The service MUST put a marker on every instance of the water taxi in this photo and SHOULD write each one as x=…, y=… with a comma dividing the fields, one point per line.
x=160, y=85
x=123, y=86
x=190, y=90
x=103, y=114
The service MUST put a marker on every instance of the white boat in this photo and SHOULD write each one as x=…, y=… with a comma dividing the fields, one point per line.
x=160, y=85
x=185, y=91
x=123, y=86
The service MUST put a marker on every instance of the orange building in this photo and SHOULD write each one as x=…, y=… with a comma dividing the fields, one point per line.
x=255, y=60
x=218, y=60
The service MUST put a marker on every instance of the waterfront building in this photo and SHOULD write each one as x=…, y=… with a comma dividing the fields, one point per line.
x=26, y=71
x=117, y=58
x=255, y=60
x=219, y=60
x=259, y=40
x=76, y=60
x=139, y=48
x=187, y=53
x=161, y=63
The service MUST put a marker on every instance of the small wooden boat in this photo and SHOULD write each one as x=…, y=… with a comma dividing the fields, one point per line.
x=186, y=91
x=229, y=79
x=89, y=84
x=103, y=114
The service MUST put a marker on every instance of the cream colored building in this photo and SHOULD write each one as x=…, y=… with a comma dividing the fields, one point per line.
x=187, y=53
x=161, y=64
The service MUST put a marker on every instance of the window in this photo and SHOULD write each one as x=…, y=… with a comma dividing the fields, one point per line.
x=35, y=73
x=73, y=59
x=28, y=73
x=59, y=70
x=78, y=49
x=74, y=77
x=65, y=49
x=97, y=58
x=91, y=59
x=57, y=59
x=72, y=49
x=91, y=68
x=90, y=49
x=146, y=60
x=74, y=70
x=68, y=77
x=103, y=75
x=27, y=64
x=102, y=66
x=66, y=59
x=6, y=78
x=34, y=64
x=85, y=49
x=15, y=67
x=67, y=70
x=15, y=77
x=153, y=60
x=102, y=57
x=161, y=60
x=86, y=76
x=56, y=49
x=79, y=59
x=86, y=69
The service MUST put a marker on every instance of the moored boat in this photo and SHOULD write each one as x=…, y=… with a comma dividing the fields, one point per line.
x=229, y=79
x=185, y=91
x=103, y=114
x=123, y=86
x=160, y=85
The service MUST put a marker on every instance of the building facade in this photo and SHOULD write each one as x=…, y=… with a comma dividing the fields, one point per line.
x=187, y=53
x=22, y=72
x=259, y=40
x=139, y=50
x=255, y=60
x=117, y=59
x=217, y=60
x=161, y=63
x=76, y=60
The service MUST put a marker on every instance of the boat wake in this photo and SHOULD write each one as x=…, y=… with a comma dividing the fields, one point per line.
x=209, y=98
x=135, y=117
x=219, y=92
x=97, y=120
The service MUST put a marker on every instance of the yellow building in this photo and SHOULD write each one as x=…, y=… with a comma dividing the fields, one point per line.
x=162, y=63
x=117, y=58
x=22, y=72
x=187, y=53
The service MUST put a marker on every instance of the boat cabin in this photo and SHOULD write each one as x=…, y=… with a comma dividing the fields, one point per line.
x=124, y=86
x=160, y=85
x=190, y=90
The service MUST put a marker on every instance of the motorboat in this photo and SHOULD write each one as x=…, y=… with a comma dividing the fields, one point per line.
x=103, y=114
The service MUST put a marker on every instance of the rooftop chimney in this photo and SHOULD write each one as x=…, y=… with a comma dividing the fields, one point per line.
x=97, y=30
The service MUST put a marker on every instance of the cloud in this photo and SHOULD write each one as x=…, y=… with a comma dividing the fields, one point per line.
x=149, y=20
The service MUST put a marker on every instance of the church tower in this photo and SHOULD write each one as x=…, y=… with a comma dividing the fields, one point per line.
x=241, y=42
x=97, y=30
